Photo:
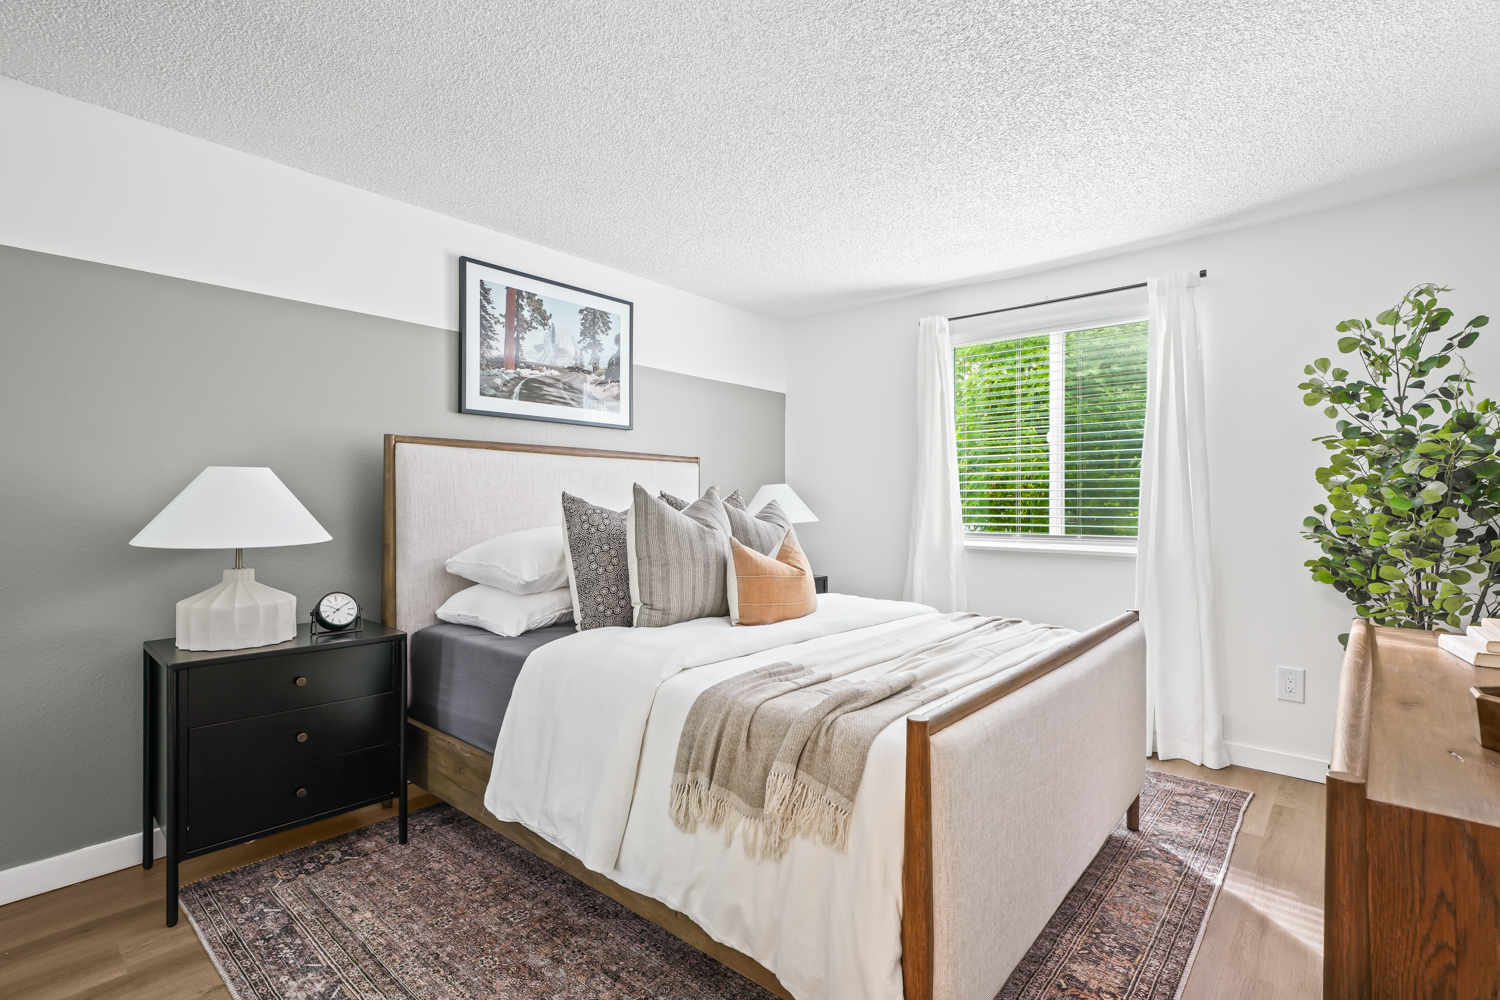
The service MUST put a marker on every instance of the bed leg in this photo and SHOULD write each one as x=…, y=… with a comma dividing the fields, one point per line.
x=1133, y=815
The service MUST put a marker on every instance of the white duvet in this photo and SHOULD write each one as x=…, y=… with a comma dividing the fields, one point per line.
x=585, y=759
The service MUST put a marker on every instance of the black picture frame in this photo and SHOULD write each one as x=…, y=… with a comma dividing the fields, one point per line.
x=565, y=375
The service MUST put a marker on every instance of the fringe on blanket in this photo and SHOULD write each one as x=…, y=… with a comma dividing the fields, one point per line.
x=796, y=806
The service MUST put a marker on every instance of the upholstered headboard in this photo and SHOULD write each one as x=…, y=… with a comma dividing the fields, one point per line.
x=442, y=496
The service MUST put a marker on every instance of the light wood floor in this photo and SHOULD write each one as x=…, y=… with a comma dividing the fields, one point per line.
x=1265, y=936
x=106, y=938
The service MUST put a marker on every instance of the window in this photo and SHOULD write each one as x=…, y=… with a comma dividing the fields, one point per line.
x=1049, y=432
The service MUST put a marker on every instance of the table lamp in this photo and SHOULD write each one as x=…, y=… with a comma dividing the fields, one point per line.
x=229, y=507
x=797, y=511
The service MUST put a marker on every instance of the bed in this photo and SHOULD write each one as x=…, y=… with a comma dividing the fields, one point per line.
x=980, y=812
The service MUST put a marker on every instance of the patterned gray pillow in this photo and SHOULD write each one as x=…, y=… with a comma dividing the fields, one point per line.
x=764, y=532
x=678, y=559
x=598, y=564
x=732, y=500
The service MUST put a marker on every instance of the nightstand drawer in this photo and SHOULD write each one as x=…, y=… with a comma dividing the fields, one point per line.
x=232, y=810
x=247, y=746
x=229, y=691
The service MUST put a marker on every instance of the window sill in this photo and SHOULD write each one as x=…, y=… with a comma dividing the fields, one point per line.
x=1045, y=543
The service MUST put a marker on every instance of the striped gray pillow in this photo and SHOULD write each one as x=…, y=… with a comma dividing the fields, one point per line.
x=678, y=559
x=763, y=532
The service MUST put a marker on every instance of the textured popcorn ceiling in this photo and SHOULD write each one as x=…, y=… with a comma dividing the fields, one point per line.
x=793, y=157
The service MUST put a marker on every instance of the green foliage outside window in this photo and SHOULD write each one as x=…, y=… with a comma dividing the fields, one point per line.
x=1003, y=415
x=1105, y=425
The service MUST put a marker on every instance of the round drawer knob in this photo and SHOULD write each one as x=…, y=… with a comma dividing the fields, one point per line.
x=301, y=793
x=301, y=737
x=302, y=682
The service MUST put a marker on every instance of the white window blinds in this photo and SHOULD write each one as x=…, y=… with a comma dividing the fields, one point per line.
x=1049, y=431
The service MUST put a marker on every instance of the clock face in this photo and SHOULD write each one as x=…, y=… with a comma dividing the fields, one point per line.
x=337, y=610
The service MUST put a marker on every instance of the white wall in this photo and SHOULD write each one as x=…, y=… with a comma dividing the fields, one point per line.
x=80, y=181
x=1269, y=304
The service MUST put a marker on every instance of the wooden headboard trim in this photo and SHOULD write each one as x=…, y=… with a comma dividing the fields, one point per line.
x=388, y=560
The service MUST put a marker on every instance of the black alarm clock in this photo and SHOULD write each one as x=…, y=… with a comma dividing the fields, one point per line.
x=336, y=612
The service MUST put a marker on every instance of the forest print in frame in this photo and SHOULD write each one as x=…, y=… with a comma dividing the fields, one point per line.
x=543, y=350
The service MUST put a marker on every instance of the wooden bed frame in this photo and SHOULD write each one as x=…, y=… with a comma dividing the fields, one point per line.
x=458, y=772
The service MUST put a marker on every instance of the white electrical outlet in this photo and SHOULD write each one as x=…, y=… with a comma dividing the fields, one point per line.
x=1289, y=683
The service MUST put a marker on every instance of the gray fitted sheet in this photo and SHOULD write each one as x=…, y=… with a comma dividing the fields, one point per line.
x=461, y=677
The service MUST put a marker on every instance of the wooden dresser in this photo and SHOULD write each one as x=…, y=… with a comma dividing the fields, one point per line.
x=1412, y=891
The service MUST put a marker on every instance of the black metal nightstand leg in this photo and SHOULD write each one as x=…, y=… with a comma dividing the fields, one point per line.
x=147, y=851
x=171, y=889
x=401, y=724
x=401, y=821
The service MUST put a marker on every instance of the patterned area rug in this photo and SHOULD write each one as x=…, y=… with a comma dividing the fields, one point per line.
x=460, y=912
x=1130, y=927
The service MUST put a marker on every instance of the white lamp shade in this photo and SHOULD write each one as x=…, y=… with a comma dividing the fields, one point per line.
x=786, y=498
x=230, y=507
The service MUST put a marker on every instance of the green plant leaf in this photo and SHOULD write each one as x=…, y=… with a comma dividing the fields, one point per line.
x=1347, y=345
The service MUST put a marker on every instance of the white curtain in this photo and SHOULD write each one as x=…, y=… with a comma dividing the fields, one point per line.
x=935, y=571
x=1174, y=577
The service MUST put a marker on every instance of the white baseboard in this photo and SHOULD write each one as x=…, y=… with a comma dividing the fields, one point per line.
x=111, y=856
x=1293, y=765
x=75, y=866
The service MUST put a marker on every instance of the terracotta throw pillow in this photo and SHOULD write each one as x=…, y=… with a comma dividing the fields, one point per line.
x=766, y=589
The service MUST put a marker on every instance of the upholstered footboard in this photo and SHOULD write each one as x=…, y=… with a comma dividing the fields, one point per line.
x=1025, y=783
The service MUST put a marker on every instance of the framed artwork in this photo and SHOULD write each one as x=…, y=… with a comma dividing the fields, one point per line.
x=542, y=350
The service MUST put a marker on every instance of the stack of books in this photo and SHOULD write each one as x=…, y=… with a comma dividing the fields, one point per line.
x=1480, y=645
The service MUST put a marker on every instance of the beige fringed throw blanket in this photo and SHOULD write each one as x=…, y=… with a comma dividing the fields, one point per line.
x=779, y=751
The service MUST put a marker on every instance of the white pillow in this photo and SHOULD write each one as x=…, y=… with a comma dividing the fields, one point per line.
x=505, y=613
x=522, y=562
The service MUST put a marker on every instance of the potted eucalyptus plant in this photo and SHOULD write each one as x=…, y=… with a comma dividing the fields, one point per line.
x=1410, y=532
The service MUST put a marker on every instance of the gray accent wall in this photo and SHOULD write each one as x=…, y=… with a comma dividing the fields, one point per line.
x=117, y=387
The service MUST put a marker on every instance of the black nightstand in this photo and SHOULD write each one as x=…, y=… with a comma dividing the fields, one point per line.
x=246, y=742
x=820, y=584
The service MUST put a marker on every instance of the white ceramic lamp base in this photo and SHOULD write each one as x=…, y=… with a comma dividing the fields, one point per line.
x=236, y=614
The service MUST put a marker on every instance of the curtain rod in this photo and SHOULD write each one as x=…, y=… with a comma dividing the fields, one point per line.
x=1066, y=298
